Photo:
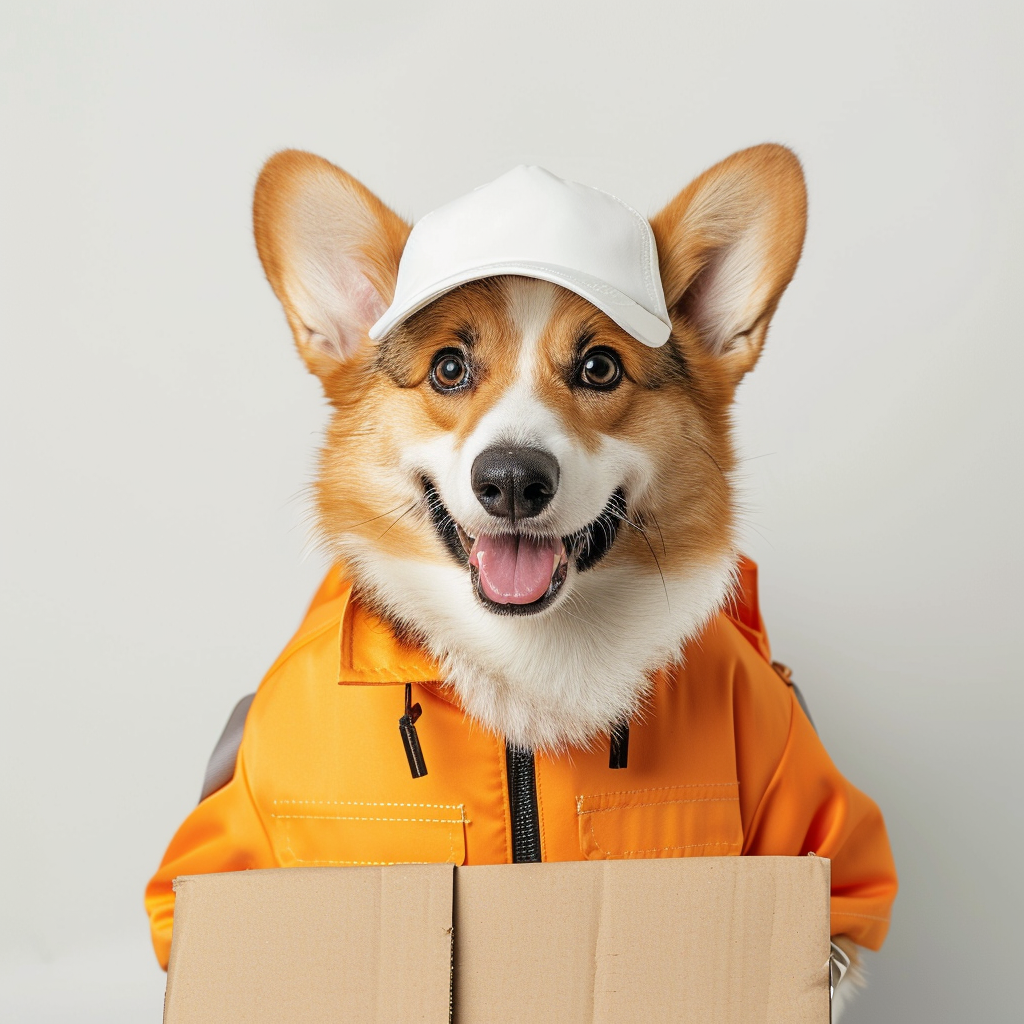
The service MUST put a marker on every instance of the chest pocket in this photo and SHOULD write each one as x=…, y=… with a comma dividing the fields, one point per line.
x=338, y=832
x=701, y=820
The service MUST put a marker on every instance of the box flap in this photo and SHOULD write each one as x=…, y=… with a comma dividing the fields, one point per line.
x=722, y=939
x=312, y=945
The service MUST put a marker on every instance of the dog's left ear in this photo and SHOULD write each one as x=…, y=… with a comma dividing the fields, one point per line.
x=728, y=245
x=330, y=249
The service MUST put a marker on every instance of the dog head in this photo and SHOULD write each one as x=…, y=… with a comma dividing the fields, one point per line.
x=546, y=503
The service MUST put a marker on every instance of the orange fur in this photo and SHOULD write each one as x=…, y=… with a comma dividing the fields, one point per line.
x=674, y=402
x=728, y=245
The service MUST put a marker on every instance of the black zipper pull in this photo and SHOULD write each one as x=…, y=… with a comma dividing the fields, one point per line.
x=618, y=747
x=407, y=727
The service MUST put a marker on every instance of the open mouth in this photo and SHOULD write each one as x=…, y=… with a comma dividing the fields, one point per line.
x=522, y=573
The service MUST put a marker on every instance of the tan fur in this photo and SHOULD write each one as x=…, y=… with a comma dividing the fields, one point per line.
x=728, y=245
x=759, y=190
x=296, y=191
x=690, y=503
x=480, y=310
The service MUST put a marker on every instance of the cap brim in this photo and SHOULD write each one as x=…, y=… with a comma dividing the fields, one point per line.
x=636, y=320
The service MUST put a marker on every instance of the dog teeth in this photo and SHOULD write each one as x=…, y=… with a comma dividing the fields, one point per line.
x=561, y=558
x=464, y=539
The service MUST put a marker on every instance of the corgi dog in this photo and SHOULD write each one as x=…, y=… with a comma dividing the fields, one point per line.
x=619, y=524
x=544, y=504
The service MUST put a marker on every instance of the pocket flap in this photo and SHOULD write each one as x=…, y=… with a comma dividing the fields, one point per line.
x=339, y=832
x=698, y=820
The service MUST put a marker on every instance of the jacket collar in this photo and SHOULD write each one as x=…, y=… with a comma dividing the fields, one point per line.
x=369, y=651
x=372, y=654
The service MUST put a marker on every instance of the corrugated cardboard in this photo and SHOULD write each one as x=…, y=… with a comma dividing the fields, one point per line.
x=729, y=939
x=725, y=939
x=307, y=945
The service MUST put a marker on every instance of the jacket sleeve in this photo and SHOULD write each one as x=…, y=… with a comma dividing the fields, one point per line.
x=224, y=833
x=809, y=807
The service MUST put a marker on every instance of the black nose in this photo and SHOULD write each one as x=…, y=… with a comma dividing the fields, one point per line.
x=515, y=482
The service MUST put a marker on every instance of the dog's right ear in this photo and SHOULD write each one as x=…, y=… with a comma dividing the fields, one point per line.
x=330, y=249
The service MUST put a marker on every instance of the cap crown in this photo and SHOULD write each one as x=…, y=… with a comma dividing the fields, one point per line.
x=531, y=223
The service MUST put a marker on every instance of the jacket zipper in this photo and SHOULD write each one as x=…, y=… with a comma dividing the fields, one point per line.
x=522, y=795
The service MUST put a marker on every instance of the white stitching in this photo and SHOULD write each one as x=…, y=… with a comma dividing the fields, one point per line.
x=367, y=803
x=656, y=849
x=657, y=789
x=343, y=817
x=374, y=863
x=659, y=803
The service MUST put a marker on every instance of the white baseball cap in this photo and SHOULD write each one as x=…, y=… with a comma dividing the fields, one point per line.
x=531, y=223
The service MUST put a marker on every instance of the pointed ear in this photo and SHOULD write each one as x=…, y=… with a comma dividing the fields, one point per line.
x=330, y=249
x=728, y=245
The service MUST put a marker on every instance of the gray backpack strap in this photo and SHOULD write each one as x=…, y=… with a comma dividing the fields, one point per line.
x=221, y=768
x=787, y=677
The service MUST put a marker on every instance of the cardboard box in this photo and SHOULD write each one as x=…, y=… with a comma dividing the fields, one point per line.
x=718, y=939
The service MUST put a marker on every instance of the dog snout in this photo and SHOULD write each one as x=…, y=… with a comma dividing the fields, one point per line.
x=515, y=482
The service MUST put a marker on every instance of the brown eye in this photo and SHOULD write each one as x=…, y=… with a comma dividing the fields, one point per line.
x=600, y=369
x=449, y=371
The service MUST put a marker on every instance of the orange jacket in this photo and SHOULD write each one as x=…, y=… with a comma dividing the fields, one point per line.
x=724, y=762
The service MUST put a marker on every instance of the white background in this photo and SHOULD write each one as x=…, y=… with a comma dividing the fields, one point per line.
x=158, y=429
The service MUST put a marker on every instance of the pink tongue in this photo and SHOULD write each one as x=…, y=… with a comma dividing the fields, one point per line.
x=515, y=570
